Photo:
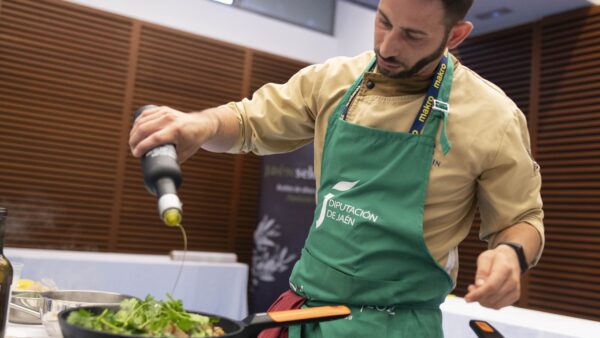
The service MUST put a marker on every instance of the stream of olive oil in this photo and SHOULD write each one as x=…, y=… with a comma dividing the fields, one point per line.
x=183, y=258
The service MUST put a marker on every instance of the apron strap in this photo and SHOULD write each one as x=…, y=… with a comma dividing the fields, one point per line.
x=441, y=108
x=442, y=113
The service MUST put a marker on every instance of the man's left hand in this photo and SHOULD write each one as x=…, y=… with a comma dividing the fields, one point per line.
x=498, y=278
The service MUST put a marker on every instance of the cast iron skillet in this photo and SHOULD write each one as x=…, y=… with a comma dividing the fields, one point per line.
x=249, y=327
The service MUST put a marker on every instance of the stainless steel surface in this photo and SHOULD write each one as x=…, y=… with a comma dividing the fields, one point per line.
x=25, y=308
x=56, y=301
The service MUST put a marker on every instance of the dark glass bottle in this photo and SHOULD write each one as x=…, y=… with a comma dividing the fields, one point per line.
x=6, y=276
x=162, y=177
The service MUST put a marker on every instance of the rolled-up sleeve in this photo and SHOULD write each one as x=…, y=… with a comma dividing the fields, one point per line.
x=509, y=187
x=279, y=117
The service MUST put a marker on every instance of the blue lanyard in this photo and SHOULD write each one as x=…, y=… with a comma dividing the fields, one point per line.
x=432, y=101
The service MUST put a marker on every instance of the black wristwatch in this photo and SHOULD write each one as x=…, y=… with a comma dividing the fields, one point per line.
x=520, y=254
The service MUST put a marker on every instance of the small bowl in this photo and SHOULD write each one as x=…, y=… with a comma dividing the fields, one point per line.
x=32, y=301
x=56, y=301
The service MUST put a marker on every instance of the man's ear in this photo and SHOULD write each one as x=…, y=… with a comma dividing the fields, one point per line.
x=458, y=33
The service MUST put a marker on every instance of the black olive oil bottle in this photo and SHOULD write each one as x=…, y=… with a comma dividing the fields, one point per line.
x=6, y=276
x=162, y=177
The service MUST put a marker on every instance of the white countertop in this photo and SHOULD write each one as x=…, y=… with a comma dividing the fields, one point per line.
x=25, y=331
x=513, y=322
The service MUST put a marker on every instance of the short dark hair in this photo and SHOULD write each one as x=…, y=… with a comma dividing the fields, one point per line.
x=456, y=10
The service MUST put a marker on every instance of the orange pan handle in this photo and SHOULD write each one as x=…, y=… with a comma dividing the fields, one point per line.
x=287, y=316
x=260, y=321
x=484, y=329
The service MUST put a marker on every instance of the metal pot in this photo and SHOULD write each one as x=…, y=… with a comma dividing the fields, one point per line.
x=56, y=301
x=25, y=308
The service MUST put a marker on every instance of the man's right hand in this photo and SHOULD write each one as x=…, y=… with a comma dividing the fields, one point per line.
x=162, y=125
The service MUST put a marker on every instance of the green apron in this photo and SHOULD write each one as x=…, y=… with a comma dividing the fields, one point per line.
x=365, y=248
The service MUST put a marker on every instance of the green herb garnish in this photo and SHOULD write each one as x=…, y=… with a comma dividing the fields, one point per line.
x=148, y=318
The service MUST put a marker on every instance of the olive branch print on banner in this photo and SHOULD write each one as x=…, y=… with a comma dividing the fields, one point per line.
x=268, y=257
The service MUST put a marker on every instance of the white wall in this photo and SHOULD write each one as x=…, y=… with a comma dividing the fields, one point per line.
x=353, y=29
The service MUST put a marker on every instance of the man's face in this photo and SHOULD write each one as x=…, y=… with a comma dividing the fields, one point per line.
x=409, y=36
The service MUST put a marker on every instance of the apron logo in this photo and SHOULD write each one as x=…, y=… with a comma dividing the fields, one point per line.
x=340, y=186
x=342, y=212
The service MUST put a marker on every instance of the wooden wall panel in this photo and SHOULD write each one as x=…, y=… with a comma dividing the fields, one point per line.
x=271, y=68
x=70, y=79
x=62, y=77
x=188, y=73
x=567, y=280
x=246, y=218
x=510, y=69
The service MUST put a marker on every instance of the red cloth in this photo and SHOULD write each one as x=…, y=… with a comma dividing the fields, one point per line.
x=286, y=301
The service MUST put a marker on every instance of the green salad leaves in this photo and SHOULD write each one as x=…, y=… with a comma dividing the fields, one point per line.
x=148, y=318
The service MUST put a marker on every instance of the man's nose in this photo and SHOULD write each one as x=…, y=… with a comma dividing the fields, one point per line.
x=390, y=46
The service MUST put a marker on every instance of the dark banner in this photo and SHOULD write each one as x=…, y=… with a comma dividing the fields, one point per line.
x=287, y=203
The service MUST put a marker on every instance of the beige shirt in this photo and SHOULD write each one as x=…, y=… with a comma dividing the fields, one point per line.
x=489, y=165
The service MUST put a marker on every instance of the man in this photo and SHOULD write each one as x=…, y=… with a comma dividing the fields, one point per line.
x=399, y=173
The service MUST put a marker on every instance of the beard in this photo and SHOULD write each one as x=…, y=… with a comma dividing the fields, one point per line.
x=419, y=65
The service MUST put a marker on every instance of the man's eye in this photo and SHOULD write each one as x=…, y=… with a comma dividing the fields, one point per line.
x=413, y=37
x=385, y=23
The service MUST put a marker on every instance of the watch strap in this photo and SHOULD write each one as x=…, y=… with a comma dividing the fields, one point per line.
x=523, y=264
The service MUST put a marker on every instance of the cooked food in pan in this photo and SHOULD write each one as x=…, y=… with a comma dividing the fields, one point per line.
x=148, y=318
